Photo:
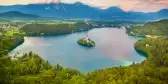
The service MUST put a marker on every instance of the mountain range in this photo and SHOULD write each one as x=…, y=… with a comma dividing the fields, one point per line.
x=80, y=10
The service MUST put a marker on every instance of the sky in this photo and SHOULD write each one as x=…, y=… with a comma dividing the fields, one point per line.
x=126, y=5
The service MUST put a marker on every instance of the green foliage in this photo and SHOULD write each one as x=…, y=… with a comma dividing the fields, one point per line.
x=157, y=50
x=153, y=70
x=32, y=69
x=76, y=79
x=48, y=29
x=88, y=43
x=9, y=43
x=151, y=28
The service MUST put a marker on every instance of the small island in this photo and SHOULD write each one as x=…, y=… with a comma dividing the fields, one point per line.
x=86, y=42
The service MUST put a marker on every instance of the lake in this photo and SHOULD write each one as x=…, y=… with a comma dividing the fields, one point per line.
x=113, y=48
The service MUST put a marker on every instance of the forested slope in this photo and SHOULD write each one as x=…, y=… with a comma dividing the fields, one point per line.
x=50, y=29
x=151, y=28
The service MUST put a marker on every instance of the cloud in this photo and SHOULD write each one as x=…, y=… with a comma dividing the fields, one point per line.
x=127, y=5
x=143, y=5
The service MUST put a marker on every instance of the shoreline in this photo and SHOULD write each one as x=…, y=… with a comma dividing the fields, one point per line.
x=58, y=34
x=47, y=35
x=141, y=52
x=16, y=45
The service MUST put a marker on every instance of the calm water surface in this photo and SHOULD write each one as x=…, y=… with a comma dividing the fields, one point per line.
x=113, y=48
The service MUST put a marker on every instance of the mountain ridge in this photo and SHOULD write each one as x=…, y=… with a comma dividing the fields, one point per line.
x=80, y=10
x=16, y=14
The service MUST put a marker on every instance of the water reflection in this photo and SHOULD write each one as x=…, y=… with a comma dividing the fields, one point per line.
x=113, y=48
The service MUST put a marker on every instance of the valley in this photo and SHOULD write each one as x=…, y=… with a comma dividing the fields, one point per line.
x=84, y=42
x=24, y=68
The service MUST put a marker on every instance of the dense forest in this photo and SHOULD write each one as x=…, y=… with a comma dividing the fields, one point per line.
x=10, y=39
x=151, y=28
x=32, y=69
x=55, y=28
x=49, y=29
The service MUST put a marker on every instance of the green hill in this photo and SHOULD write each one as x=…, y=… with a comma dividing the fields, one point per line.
x=151, y=28
x=16, y=14
x=52, y=29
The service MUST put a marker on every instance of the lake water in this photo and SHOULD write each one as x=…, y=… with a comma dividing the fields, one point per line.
x=113, y=48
